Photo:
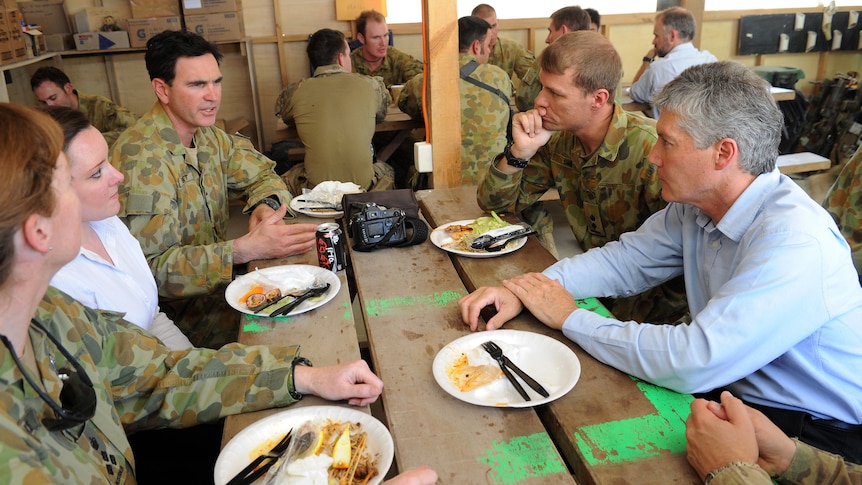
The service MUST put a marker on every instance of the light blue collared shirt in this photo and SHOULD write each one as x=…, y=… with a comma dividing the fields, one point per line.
x=775, y=298
x=664, y=69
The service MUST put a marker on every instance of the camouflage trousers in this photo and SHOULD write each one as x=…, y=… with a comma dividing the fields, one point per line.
x=296, y=180
x=208, y=320
x=664, y=304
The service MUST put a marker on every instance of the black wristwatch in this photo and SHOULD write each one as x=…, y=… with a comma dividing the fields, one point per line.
x=291, y=386
x=648, y=59
x=270, y=200
x=513, y=160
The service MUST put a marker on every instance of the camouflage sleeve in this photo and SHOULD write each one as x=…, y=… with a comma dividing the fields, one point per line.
x=252, y=172
x=410, y=100
x=741, y=475
x=523, y=59
x=283, y=107
x=811, y=466
x=384, y=97
x=110, y=118
x=515, y=193
x=530, y=87
x=406, y=65
x=844, y=203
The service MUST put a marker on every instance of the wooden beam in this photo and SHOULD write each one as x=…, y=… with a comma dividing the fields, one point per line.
x=696, y=7
x=443, y=129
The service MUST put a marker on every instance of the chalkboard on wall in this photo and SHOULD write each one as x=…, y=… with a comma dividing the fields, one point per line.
x=761, y=34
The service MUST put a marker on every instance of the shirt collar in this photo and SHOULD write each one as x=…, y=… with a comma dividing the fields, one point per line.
x=747, y=206
x=328, y=69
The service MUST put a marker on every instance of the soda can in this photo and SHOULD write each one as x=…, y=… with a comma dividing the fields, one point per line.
x=330, y=247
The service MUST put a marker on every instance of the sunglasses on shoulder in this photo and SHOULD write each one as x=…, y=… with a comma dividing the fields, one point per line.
x=77, y=397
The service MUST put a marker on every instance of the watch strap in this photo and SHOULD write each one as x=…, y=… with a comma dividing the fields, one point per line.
x=513, y=160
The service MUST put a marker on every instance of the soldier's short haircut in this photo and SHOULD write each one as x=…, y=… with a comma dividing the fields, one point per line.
x=324, y=47
x=165, y=48
x=365, y=16
x=483, y=10
x=48, y=73
x=471, y=29
x=679, y=19
x=593, y=61
x=725, y=99
x=575, y=18
x=595, y=18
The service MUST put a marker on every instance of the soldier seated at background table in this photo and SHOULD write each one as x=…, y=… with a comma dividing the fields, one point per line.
x=52, y=87
x=775, y=300
x=484, y=108
x=844, y=202
x=581, y=143
x=334, y=113
x=375, y=57
x=563, y=21
x=673, y=32
x=506, y=54
x=178, y=169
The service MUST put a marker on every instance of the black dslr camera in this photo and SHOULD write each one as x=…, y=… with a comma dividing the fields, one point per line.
x=374, y=224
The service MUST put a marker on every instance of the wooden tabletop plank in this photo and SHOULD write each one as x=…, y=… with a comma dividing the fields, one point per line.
x=409, y=299
x=610, y=428
x=327, y=335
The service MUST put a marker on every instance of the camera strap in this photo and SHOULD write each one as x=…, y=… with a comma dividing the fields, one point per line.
x=417, y=233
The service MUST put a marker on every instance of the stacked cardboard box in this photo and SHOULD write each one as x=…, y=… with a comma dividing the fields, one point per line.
x=6, y=54
x=216, y=20
x=100, y=28
x=51, y=17
x=149, y=17
x=13, y=26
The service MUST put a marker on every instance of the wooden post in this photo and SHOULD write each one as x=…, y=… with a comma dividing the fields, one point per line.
x=443, y=101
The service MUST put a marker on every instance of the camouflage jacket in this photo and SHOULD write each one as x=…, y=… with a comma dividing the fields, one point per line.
x=611, y=192
x=107, y=116
x=511, y=57
x=484, y=116
x=844, y=202
x=139, y=383
x=176, y=204
x=530, y=88
x=397, y=68
x=810, y=466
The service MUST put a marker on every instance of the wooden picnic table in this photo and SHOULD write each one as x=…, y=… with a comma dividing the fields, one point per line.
x=326, y=335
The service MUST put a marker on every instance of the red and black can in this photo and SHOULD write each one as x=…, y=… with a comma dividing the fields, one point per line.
x=330, y=247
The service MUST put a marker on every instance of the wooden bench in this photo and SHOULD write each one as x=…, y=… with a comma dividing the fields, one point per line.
x=802, y=162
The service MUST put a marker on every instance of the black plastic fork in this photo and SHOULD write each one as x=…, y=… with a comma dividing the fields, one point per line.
x=262, y=463
x=506, y=364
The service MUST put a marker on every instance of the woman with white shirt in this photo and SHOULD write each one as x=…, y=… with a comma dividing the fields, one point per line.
x=110, y=271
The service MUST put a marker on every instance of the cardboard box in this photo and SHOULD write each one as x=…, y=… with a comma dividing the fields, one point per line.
x=141, y=30
x=59, y=42
x=16, y=36
x=216, y=27
x=6, y=54
x=49, y=14
x=144, y=9
x=36, y=43
x=102, y=19
x=205, y=7
x=93, y=41
x=9, y=4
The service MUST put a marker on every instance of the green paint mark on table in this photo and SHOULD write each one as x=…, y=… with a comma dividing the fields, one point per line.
x=642, y=437
x=377, y=308
x=594, y=305
x=522, y=457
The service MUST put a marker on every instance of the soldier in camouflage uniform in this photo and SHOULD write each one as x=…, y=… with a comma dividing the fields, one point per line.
x=53, y=88
x=564, y=20
x=375, y=57
x=596, y=160
x=75, y=381
x=178, y=170
x=844, y=202
x=506, y=54
x=721, y=448
x=335, y=113
x=484, y=114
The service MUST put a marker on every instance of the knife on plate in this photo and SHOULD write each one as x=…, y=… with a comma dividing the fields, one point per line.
x=502, y=234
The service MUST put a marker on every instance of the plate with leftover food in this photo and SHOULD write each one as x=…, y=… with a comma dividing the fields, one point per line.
x=456, y=237
x=324, y=459
x=264, y=292
x=324, y=200
x=467, y=372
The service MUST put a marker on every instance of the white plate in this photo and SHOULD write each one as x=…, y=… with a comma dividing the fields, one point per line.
x=548, y=361
x=287, y=277
x=300, y=207
x=243, y=448
x=440, y=237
